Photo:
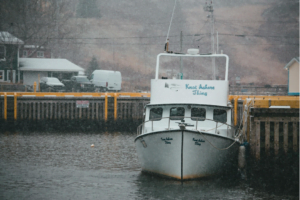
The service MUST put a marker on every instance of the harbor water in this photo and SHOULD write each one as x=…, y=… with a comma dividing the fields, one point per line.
x=53, y=165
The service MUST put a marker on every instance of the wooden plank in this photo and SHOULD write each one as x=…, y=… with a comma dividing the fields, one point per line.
x=67, y=108
x=278, y=119
x=285, y=137
x=76, y=111
x=93, y=111
x=267, y=138
x=51, y=110
x=80, y=113
x=22, y=110
x=295, y=138
x=62, y=110
x=38, y=110
x=42, y=110
x=276, y=137
x=55, y=110
x=72, y=110
x=29, y=114
x=97, y=111
x=257, y=134
x=46, y=107
x=88, y=111
x=25, y=110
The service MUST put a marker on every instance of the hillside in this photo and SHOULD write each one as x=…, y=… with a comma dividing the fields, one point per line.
x=260, y=37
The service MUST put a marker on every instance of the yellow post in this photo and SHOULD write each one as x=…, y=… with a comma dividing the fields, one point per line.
x=5, y=106
x=115, y=106
x=34, y=86
x=39, y=89
x=235, y=110
x=106, y=107
x=15, y=106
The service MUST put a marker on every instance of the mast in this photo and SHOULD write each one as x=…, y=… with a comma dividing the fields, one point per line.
x=210, y=8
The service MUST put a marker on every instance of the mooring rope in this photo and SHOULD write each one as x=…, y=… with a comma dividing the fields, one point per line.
x=171, y=21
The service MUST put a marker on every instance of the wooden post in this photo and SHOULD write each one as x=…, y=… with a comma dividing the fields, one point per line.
x=252, y=138
x=93, y=111
x=51, y=110
x=115, y=106
x=276, y=137
x=39, y=111
x=34, y=86
x=43, y=110
x=97, y=107
x=72, y=110
x=285, y=136
x=33, y=110
x=15, y=106
x=235, y=110
x=5, y=106
x=22, y=110
x=257, y=134
x=39, y=89
x=106, y=107
x=267, y=137
x=295, y=138
x=68, y=110
x=29, y=108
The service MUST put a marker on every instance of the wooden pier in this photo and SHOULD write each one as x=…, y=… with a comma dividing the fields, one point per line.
x=100, y=108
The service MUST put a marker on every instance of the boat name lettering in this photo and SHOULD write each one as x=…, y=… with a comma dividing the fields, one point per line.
x=198, y=141
x=194, y=87
x=167, y=140
x=198, y=92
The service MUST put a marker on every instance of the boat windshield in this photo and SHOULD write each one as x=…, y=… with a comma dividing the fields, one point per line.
x=192, y=67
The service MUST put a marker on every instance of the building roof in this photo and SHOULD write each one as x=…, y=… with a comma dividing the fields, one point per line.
x=287, y=66
x=7, y=38
x=48, y=64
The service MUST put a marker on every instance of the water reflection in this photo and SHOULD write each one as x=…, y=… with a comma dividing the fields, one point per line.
x=65, y=166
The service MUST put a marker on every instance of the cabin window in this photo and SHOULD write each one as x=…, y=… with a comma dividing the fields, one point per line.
x=155, y=114
x=40, y=54
x=198, y=114
x=176, y=113
x=220, y=115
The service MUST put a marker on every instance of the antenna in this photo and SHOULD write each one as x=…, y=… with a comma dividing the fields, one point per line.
x=209, y=7
x=167, y=39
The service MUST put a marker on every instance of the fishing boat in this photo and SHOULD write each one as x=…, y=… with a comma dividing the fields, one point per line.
x=187, y=132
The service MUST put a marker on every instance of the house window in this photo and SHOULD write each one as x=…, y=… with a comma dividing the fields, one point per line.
x=155, y=114
x=40, y=54
x=176, y=113
x=25, y=53
x=198, y=114
x=2, y=52
x=220, y=115
x=1, y=75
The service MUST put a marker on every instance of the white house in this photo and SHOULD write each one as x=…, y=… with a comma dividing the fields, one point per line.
x=293, y=76
x=34, y=68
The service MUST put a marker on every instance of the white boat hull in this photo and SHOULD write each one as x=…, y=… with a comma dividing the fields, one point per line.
x=185, y=154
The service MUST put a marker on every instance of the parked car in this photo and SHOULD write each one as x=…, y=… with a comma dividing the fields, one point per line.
x=51, y=84
x=79, y=84
x=105, y=80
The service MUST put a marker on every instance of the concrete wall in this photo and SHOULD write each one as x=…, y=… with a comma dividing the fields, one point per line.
x=294, y=78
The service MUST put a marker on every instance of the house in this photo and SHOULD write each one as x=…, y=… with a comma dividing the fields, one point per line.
x=9, y=57
x=34, y=68
x=34, y=51
x=293, y=76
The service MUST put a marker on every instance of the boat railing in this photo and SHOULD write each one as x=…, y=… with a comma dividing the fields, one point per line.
x=229, y=128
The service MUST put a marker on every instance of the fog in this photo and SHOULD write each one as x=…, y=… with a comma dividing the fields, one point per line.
x=259, y=36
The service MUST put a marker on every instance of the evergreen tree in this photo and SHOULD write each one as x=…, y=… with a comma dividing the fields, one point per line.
x=87, y=9
x=93, y=65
